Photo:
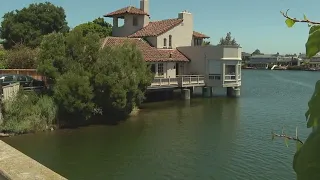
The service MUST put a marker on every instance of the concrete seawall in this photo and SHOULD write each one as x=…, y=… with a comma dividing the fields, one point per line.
x=14, y=165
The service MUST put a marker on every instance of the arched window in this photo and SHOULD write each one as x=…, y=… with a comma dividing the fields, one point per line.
x=165, y=42
x=170, y=40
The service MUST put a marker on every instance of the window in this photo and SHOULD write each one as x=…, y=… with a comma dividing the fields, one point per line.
x=160, y=69
x=170, y=40
x=197, y=42
x=8, y=79
x=21, y=78
x=135, y=21
x=29, y=78
x=120, y=22
x=214, y=76
x=153, y=68
x=230, y=70
x=165, y=42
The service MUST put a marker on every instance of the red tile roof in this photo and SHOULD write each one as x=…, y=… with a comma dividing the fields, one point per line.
x=199, y=35
x=127, y=10
x=157, y=28
x=149, y=53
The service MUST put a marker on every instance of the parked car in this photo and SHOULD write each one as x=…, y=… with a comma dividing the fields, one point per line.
x=25, y=81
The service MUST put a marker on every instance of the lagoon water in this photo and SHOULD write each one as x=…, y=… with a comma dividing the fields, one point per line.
x=207, y=138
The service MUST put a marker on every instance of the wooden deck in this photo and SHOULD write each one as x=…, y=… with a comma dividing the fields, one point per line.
x=179, y=81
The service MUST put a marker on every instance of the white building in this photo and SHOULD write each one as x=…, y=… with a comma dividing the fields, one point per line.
x=175, y=50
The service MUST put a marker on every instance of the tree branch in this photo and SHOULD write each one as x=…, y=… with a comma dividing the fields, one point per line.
x=288, y=137
x=297, y=20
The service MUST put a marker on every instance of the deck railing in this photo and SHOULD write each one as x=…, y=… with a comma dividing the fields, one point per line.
x=190, y=80
x=158, y=81
x=231, y=80
x=179, y=81
x=230, y=77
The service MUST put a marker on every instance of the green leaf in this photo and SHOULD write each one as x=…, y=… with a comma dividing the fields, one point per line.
x=315, y=123
x=313, y=29
x=313, y=113
x=289, y=22
x=307, y=114
x=311, y=122
x=313, y=43
x=299, y=145
x=305, y=17
x=286, y=141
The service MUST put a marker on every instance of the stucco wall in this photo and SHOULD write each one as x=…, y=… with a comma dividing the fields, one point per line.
x=181, y=34
x=127, y=28
x=200, y=54
x=231, y=52
x=169, y=70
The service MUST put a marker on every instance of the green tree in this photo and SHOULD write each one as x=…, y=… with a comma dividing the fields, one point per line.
x=98, y=26
x=102, y=22
x=120, y=79
x=206, y=43
x=67, y=60
x=81, y=48
x=228, y=40
x=52, y=56
x=28, y=25
x=256, y=52
x=88, y=78
x=306, y=161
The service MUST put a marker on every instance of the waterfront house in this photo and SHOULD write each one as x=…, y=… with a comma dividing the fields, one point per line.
x=313, y=62
x=175, y=50
x=266, y=60
x=291, y=60
x=262, y=61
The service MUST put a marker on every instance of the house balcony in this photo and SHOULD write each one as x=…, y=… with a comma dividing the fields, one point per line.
x=231, y=80
x=179, y=81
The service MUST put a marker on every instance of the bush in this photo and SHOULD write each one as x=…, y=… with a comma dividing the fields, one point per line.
x=3, y=54
x=28, y=112
x=120, y=79
x=74, y=94
x=21, y=57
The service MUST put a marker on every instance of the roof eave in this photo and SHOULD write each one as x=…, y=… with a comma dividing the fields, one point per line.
x=122, y=14
x=203, y=37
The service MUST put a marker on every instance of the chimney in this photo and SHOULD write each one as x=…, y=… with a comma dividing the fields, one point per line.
x=187, y=22
x=144, y=6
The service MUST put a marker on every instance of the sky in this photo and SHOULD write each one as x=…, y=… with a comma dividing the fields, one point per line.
x=255, y=24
